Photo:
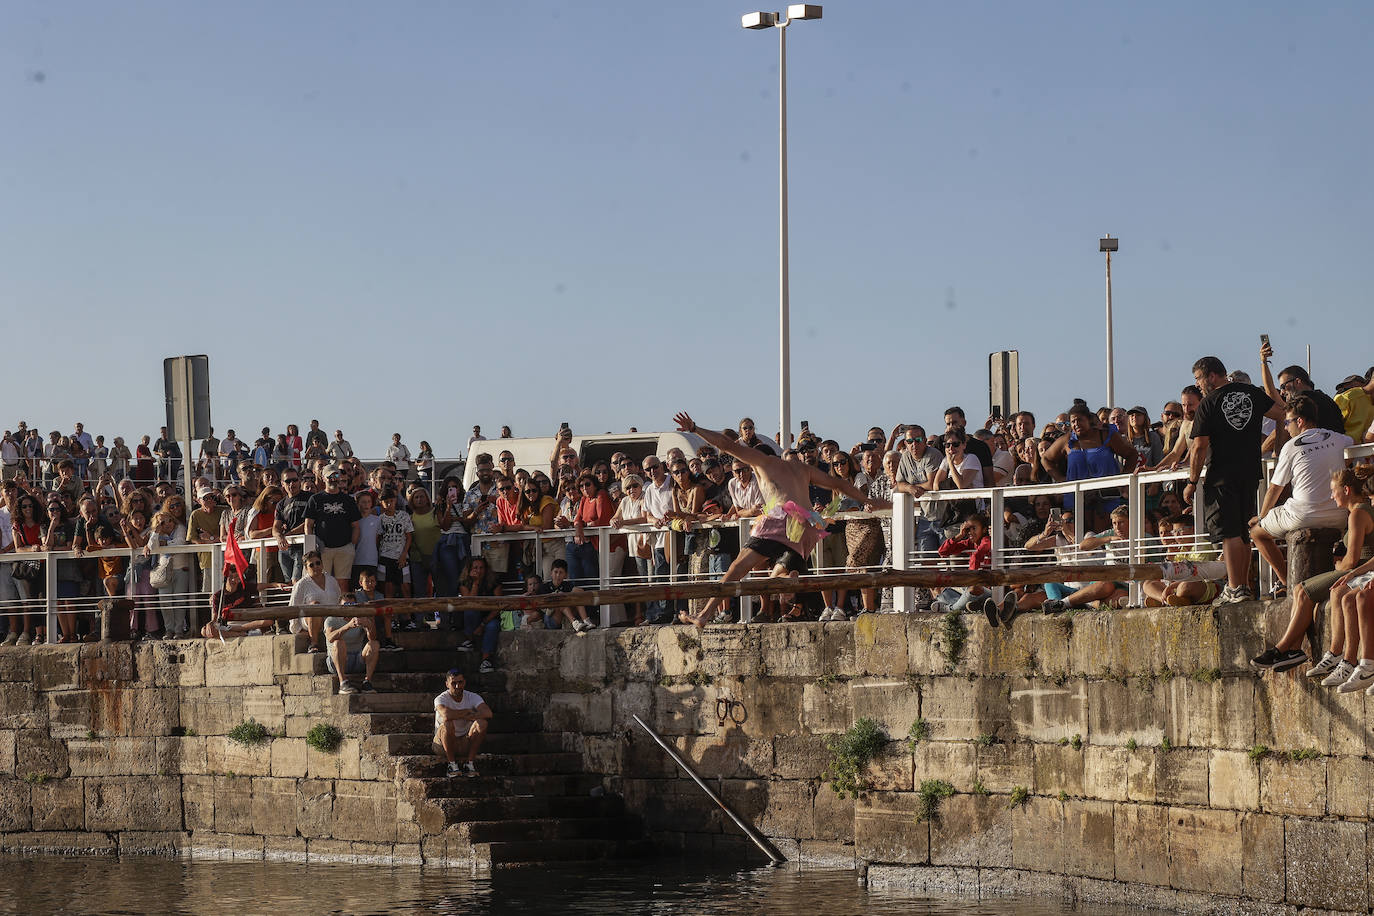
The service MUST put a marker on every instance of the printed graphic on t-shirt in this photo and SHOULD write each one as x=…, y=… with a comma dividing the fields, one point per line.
x=1237, y=407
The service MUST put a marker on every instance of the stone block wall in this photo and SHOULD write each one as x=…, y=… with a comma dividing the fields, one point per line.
x=122, y=747
x=1122, y=757
x=1125, y=756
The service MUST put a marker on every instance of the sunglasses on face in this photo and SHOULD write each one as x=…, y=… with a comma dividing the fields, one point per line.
x=1171, y=413
x=505, y=487
x=912, y=440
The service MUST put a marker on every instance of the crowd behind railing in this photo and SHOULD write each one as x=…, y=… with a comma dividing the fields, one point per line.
x=1087, y=486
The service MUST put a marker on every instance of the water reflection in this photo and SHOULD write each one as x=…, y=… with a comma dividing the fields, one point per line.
x=52, y=884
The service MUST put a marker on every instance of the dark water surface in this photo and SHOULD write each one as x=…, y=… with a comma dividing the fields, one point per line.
x=54, y=884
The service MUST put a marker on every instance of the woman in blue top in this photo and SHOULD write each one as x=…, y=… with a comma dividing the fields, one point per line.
x=1089, y=451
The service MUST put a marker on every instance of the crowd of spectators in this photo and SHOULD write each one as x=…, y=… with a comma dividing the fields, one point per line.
x=393, y=531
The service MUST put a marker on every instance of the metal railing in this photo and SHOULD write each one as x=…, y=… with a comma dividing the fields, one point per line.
x=903, y=552
x=49, y=605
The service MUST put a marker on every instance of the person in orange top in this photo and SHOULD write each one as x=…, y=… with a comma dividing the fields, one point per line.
x=594, y=510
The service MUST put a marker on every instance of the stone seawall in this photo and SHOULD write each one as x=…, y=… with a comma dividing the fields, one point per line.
x=122, y=748
x=1125, y=756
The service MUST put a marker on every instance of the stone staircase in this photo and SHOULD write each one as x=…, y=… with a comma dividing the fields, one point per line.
x=532, y=802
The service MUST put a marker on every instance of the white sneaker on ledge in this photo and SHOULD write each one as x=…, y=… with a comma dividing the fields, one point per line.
x=1360, y=678
x=1339, y=674
x=1325, y=666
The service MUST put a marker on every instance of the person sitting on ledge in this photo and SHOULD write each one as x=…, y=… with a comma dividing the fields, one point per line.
x=461, y=720
x=1178, y=534
x=1348, y=486
x=1306, y=462
x=232, y=601
x=1109, y=593
x=353, y=648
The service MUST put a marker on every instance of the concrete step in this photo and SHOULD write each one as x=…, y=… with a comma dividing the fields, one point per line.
x=524, y=852
x=431, y=661
x=415, y=748
x=392, y=702
x=376, y=724
x=546, y=829
x=497, y=743
x=562, y=784
x=460, y=810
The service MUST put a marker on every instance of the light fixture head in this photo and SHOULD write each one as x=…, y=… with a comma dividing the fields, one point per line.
x=1107, y=243
x=759, y=20
x=804, y=11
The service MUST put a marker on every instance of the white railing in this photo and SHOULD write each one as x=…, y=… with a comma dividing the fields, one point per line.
x=902, y=551
x=48, y=606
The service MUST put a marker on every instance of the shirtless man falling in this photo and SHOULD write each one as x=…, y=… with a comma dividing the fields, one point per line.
x=787, y=522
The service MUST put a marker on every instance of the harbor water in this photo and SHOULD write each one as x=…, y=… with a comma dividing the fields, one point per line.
x=107, y=885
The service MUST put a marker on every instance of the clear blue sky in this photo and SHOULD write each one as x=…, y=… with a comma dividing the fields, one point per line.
x=414, y=217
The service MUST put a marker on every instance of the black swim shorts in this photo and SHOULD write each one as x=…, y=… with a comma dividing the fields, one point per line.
x=779, y=554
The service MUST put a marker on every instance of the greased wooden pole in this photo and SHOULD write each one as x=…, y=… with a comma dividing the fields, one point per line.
x=759, y=586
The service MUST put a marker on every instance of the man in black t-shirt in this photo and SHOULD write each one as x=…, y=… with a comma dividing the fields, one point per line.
x=1230, y=420
x=290, y=519
x=1294, y=381
x=333, y=516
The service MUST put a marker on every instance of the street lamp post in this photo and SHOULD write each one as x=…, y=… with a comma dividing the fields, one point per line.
x=761, y=20
x=1107, y=245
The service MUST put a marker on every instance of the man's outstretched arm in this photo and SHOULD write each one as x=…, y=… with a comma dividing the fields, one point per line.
x=720, y=441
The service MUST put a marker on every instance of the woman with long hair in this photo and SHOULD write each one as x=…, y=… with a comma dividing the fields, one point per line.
x=137, y=533
x=168, y=531
x=257, y=525
x=30, y=525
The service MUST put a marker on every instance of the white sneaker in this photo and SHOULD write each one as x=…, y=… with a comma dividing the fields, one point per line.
x=1339, y=674
x=1325, y=666
x=577, y=626
x=827, y=614
x=1360, y=678
x=939, y=607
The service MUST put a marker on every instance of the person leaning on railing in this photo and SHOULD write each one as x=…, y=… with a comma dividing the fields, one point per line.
x=631, y=511
x=169, y=532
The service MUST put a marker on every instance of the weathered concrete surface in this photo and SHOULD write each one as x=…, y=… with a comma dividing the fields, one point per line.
x=1125, y=757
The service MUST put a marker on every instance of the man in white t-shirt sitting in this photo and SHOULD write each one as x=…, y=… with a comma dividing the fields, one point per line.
x=1307, y=462
x=353, y=647
x=461, y=719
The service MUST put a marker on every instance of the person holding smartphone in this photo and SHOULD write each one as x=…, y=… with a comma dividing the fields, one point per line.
x=479, y=510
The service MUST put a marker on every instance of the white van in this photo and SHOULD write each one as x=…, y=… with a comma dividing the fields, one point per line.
x=533, y=454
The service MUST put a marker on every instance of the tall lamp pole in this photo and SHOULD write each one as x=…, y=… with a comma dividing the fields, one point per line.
x=761, y=20
x=1107, y=245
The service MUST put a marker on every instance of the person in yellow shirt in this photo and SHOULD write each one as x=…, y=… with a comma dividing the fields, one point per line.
x=1355, y=397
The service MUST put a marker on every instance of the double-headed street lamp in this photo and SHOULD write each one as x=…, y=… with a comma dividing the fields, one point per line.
x=759, y=20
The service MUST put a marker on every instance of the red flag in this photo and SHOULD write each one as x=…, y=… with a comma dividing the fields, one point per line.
x=233, y=554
